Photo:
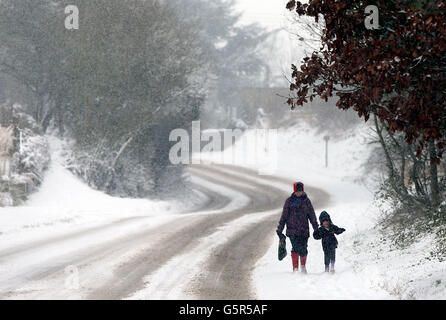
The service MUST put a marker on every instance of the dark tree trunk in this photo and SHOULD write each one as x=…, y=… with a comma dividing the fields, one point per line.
x=435, y=188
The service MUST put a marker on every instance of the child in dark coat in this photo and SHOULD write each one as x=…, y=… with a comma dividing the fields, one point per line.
x=327, y=233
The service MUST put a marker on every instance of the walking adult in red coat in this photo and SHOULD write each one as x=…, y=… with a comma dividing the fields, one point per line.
x=297, y=213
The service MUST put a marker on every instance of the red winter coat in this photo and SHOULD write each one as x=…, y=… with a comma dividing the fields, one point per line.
x=296, y=214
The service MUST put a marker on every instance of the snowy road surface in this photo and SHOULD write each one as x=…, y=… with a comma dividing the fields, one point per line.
x=217, y=251
x=207, y=254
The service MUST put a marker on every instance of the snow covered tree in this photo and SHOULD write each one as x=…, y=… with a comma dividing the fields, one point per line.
x=135, y=65
x=134, y=70
x=231, y=51
x=32, y=51
x=130, y=66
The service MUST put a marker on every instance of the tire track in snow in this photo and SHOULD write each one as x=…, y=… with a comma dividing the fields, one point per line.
x=223, y=267
x=229, y=270
x=117, y=267
x=130, y=276
x=28, y=263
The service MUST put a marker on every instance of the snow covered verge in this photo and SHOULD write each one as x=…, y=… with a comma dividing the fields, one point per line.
x=408, y=273
x=367, y=265
x=65, y=204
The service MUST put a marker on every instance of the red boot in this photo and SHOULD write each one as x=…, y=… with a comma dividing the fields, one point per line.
x=295, y=258
x=303, y=262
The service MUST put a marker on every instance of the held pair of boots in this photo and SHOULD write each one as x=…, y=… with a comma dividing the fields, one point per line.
x=303, y=262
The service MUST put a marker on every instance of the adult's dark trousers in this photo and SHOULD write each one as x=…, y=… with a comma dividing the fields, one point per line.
x=300, y=245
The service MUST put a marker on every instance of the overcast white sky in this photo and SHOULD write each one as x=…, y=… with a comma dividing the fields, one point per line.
x=269, y=13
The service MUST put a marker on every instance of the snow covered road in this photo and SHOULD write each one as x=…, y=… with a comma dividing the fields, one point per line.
x=210, y=253
x=206, y=254
x=225, y=247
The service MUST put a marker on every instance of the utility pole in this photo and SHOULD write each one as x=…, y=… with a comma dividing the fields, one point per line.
x=326, y=138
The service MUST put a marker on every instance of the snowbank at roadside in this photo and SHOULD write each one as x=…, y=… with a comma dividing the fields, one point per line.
x=407, y=274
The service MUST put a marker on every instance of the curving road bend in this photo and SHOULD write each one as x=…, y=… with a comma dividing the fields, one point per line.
x=206, y=254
